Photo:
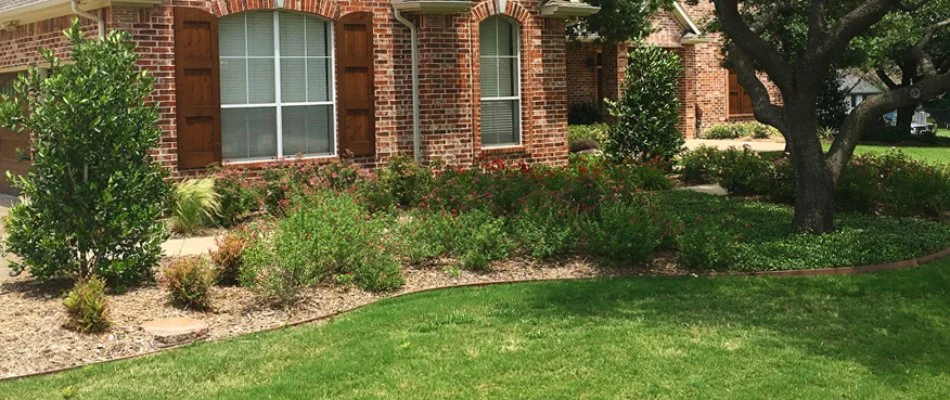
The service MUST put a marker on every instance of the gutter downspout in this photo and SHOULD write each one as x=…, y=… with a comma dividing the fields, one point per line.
x=416, y=129
x=99, y=21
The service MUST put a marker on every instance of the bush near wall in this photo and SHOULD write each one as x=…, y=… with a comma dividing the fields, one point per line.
x=737, y=130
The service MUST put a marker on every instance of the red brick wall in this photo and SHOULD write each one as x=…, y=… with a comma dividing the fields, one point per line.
x=448, y=48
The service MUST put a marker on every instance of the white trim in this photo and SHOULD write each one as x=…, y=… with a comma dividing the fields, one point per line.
x=684, y=18
x=517, y=81
x=278, y=105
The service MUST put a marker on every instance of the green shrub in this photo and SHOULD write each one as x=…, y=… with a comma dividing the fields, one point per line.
x=736, y=130
x=424, y=237
x=858, y=187
x=189, y=282
x=595, y=132
x=87, y=308
x=701, y=165
x=405, y=180
x=545, y=230
x=623, y=233
x=910, y=187
x=96, y=195
x=195, y=205
x=647, y=113
x=228, y=257
x=653, y=178
x=832, y=101
x=584, y=114
x=479, y=239
x=707, y=247
x=237, y=197
x=783, y=182
x=326, y=235
x=723, y=131
x=745, y=172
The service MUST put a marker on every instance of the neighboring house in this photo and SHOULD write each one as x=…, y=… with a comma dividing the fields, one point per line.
x=709, y=93
x=253, y=82
x=858, y=90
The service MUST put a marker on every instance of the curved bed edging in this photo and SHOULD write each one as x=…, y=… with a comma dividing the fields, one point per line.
x=855, y=270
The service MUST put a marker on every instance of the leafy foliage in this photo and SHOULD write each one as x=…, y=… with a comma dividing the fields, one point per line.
x=196, y=203
x=619, y=20
x=95, y=194
x=228, y=257
x=832, y=106
x=584, y=114
x=735, y=130
x=87, y=308
x=189, y=281
x=623, y=233
x=648, y=111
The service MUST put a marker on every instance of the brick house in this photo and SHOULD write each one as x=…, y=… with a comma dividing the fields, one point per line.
x=709, y=93
x=253, y=82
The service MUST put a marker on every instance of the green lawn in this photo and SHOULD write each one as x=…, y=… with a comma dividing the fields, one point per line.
x=934, y=154
x=876, y=336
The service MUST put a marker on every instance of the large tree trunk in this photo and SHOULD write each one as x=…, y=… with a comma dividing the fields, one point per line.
x=905, y=115
x=814, y=182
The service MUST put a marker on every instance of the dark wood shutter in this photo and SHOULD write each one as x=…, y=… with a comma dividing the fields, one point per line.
x=197, y=88
x=739, y=101
x=355, y=94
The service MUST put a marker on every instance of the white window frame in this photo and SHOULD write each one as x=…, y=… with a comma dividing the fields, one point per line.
x=278, y=104
x=517, y=81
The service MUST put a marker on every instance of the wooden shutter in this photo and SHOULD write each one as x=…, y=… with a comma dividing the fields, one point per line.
x=739, y=101
x=355, y=97
x=197, y=88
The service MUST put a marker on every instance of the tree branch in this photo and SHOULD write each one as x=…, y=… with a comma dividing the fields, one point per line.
x=869, y=112
x=817, y=30
x=847, y=28
x=727, y=11
x=884, y=77
x=762, y=105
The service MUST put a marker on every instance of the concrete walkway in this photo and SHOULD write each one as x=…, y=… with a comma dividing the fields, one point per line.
x=712, y=188
x=758, y=146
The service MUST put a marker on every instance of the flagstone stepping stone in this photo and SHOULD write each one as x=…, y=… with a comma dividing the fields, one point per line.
x=175, y=331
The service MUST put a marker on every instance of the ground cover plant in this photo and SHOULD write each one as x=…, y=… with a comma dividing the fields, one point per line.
x=737, y=130
x=872, y=336
x=891, y=183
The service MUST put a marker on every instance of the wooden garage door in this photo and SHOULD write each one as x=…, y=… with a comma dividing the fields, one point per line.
x=10, y=141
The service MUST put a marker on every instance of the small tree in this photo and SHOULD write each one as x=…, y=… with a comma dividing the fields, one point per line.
x=647, y=113
x=832, y=108
x=93, y=194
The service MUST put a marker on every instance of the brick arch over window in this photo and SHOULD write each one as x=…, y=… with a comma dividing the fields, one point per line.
x=324, y=8
x=520, y=16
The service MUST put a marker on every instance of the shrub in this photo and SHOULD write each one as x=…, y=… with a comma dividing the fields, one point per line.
x=189, y=282
x=858, y=188
x=723, y=131
x=735, y=130
x=405, y=180
x=546, y=230
x=623, y=233
x=95, y=193
x=228, y=257
x=783, y=182
x=707, y=247
x=832, y=101
x=87, y=308
x=424, y=237
x=195, y=205
x=595, y=132
x=648, y=111
x=653, y=178
x=584, y=114
x=237, y=197
x=479, y=239
x=911, y=188
x=326, y=235
x=700, y=165
x=745, y=172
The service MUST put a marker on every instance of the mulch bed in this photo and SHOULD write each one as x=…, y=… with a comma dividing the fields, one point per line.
x=32, y=338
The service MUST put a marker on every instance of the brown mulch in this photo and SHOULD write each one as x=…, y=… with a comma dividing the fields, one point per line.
x=31, y=314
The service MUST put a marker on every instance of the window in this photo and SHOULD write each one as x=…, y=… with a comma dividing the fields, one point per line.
x=500, y=82
x=739, y=101
x=276, y=86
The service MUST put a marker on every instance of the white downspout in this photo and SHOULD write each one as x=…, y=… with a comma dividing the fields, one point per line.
x=99, y=21
x=416, y=134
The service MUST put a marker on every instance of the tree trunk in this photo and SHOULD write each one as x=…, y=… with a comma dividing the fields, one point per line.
x=905, y=115
x=814, y=183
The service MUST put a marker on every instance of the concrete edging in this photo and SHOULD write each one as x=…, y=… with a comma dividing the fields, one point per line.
x=854, y=270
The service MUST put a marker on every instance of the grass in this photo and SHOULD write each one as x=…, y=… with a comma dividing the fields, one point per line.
x=938, y=153
x=876, y=336
x=766, y=240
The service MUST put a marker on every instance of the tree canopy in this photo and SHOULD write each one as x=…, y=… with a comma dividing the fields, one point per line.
x=619, y=20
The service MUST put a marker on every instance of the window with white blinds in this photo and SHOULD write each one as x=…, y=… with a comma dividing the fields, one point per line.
x=276, y=86
x=500, y=71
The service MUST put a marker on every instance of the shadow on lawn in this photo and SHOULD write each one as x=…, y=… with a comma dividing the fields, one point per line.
x=891, y=322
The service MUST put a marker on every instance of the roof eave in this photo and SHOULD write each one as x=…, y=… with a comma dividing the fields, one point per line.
x=49, y=9
x=564, y=10
x=432, y=6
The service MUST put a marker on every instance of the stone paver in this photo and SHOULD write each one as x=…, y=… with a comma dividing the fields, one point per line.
x=175, y=331
x=193, y=246
x=758, y=146
x=712, y=188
